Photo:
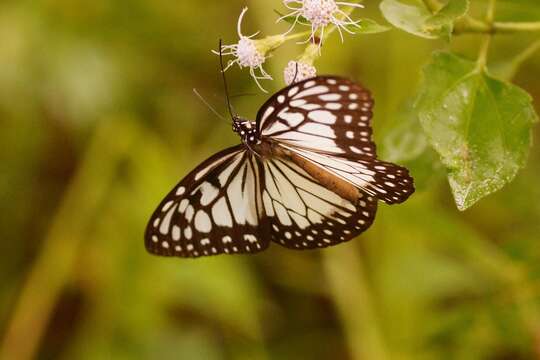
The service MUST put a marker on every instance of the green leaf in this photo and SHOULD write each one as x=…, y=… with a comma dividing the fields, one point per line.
x=406, y=144
x=415, y=18
x=368, y=26
x=480, y=126
x=292, y=19
x=453, y=10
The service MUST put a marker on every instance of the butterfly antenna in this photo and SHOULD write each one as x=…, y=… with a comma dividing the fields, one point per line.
x=295, y=73
x=208, y=105
x=225, y=79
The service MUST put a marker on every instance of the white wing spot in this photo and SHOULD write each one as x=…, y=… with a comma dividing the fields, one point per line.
x=330, y=97
x=316, y=90
x=292, y=118
x=348, y=119
x=322, y=116
x=188, y=233
x=165, y=244
x=202, y=222
x=288, y=235
x=176, y=233
x=183, y=205
x=356, y=150
x=267, y=113
x=221, y=214
x=344, y=88
x=209, y=193
x=167, y=206
x=293, y=91
x=353, y=106
x=189, y=247
x=297, y=103
x=155, y=238
x=189, y=213
x=331, y=81
x=156, y=222
x=310, y=107
x=309, y=84
x=180, y=191
x=349, y=134
x=178, y=248
x=281, y=99
x=251, y=238
x=226, y=239
x=353, y=96
x=333, y=106
x=205, y=242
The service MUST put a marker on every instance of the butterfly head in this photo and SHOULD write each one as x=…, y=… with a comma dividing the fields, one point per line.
x=246, y=129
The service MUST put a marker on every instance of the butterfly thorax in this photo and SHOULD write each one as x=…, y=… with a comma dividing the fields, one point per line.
x=247, y=130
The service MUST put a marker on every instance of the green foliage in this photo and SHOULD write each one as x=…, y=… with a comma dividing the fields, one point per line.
x=98, y=122
x=416, y=18
x=480, y=126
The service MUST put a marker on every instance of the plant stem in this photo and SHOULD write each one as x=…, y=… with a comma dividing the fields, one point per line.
x=470, y=26
x=297, y=35
x=432, y=5
x=351, y=293
x=516, y=26
x=482, y=56
x=484, y=48
x=490, y=14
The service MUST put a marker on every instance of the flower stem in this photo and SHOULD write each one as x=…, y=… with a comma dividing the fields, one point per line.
x=432, y=5
x=297, y=35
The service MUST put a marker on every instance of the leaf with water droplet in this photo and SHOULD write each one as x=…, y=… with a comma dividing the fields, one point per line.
x=480, y=126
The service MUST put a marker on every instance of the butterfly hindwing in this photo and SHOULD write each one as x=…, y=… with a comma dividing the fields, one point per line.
x=216, y=209
x=304, y=214
x=386, y=181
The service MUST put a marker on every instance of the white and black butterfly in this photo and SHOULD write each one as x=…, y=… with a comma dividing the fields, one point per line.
x=305, y=176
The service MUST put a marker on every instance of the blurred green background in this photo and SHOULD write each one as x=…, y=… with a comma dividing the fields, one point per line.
x=98, y=122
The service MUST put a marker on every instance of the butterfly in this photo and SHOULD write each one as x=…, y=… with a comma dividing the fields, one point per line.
x=305, y=176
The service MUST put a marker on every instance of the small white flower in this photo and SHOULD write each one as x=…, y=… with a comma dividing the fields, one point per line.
x=297, y=71
x=321, y=13
x=247, y=53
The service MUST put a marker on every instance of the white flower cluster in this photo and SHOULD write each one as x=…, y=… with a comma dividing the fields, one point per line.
x=321, y=13
x=252, y=54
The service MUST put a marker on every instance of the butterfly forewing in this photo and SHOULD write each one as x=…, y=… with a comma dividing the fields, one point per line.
x=216, y=209
x=324, y=114
x=304, y=214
